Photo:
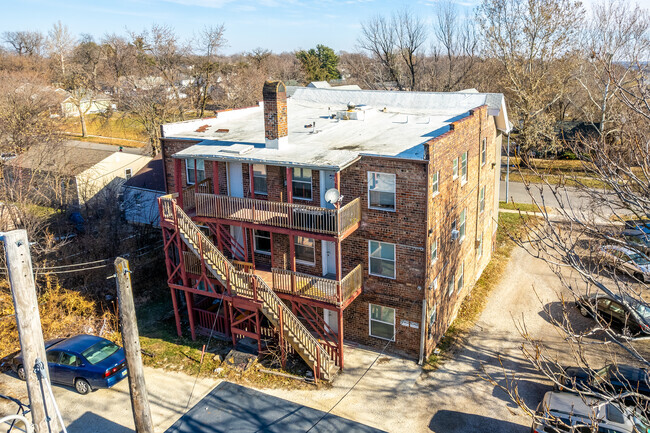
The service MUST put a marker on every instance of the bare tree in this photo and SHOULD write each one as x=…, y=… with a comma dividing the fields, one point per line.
x=533, y=42
x=411, y=35
x=207, y=44
x=379, y=38
x=60, y=44
x=24, y=43
x=120, y=61
x=458, y=41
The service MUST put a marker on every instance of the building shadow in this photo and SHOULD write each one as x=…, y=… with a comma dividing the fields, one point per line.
x=449, y=421
x=93, y=423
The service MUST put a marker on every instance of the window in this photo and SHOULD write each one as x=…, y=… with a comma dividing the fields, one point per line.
x=432, y=318
x=450, y=286
x=301, y=183
x=481, y=200
x=381, y=259
x=434, y=250
x=434, y=187
x=462, y=224
x=53, y=356
x=483, y=151
x=69, y=359
x=305, y=251
x=480, y=245
x=381, y=191
x=262, y=242
x=195, y=170
x=455, y=168
x=128, y=173
x=382, y=322
x=463, y=167
x=259, y=179
x=434, y=284
x=461, y=277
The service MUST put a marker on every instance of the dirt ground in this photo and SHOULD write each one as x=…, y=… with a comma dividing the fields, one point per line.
x=395, y=394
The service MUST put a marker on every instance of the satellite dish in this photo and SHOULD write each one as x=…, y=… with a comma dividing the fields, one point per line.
x=332, y=195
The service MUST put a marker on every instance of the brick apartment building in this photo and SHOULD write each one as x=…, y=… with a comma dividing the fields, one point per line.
x=364, y=215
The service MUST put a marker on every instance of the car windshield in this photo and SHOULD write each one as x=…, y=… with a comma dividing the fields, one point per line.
x=99, y=351
x=639, y=259
x=642, y=309
x=601, y=375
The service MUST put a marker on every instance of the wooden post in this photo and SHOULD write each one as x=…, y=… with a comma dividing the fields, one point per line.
x=340, y=336
x=131, y=342
x=177, y=315
x=289, y=185
x=251, y=180
x=28, y=321
x=178, y=180
x=292, y=262
x=215, y=177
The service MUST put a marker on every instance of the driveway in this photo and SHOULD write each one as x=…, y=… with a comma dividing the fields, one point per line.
x=392, y=395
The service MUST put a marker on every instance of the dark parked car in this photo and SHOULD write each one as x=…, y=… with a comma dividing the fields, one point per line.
x=83, y=361
x=612, y=377
x=627, y=315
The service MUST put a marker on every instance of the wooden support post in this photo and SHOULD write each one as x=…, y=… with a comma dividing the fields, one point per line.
x=178, y=180
x=177, y=314
x=292, y=262
x=189, y=301
x=232, y=320
x=258, y=327
x=28, y=321
x=283, y=352
x=131, y=342
x=340, y=336
x=215, y=177
x=337, y=185
x=289, y=185
x=251, y=180
x=252, y=248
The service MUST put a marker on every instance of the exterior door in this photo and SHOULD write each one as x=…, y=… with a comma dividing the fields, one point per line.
x=326, y=182
x=329, y=257
x=331, y=318
x=236, y=189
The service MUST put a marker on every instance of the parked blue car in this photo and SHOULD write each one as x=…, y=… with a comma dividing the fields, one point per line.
x=83, y=361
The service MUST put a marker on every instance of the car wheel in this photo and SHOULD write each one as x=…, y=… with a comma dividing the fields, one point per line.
x=583, y=310
x=82, y=386
x=21, y=372
x=638, y=276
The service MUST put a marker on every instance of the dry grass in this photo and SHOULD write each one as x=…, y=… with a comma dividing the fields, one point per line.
x=522, y=207
x=509, y=225
x=117, y=126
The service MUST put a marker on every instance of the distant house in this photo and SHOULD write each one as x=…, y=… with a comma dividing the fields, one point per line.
x=139, y=198
x=91, y=103
x=72, y=173
x=573, y=132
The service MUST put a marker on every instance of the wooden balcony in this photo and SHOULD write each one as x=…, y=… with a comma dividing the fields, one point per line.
x=318, y=288
x=277, y=214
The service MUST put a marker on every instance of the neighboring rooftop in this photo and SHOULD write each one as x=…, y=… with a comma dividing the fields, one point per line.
x=348, y=124
x=69, y=158
x=150, y=176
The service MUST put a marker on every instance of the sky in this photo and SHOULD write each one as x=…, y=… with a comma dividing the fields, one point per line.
x=277, y=25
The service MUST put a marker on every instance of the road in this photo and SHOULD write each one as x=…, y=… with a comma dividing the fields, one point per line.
x=543, y=195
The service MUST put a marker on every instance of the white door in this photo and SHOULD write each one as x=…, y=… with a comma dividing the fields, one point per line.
x=329, y=257
x=326, y=182
x=236, y=189
x=331, y=318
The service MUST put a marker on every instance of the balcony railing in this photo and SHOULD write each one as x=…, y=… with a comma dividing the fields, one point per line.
x=317, y=288
x=278, y=214
x=189, y=193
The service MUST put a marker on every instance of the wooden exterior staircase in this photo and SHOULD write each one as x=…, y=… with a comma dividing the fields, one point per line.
x=251, y=287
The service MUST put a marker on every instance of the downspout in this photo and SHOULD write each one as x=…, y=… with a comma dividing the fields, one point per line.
x=424, y=287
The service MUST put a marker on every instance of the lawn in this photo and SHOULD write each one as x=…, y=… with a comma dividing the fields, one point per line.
x=119, y=126
x=522, y=207
x=510, y=224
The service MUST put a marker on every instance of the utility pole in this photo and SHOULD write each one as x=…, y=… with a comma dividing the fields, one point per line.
x=28, y=320
x=131, y=343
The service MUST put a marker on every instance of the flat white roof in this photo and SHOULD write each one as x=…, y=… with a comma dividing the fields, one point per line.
x=390, y=124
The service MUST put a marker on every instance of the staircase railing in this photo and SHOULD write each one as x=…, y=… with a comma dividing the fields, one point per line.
x=245, y=284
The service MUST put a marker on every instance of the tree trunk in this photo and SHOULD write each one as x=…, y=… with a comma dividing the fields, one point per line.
x=82, y=119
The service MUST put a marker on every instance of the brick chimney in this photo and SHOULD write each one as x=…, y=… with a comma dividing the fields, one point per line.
x=275, y=114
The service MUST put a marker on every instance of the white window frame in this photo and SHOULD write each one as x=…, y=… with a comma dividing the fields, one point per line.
x=255, y=236
x=394, y=192
x=454, y=168
x=481, y=200
x=294, y=181
x=483, y=152
x=451, y=284
x=435, y=186
x=260, y=177
x=196, y=169
x=462, y=220
x=463, y=168
x=480, y=245
x=370, y=320
x=128, y=173
x=434, y=249
x=434, y=284
x=304, y=262
x=460, y=281
x=394, y=260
